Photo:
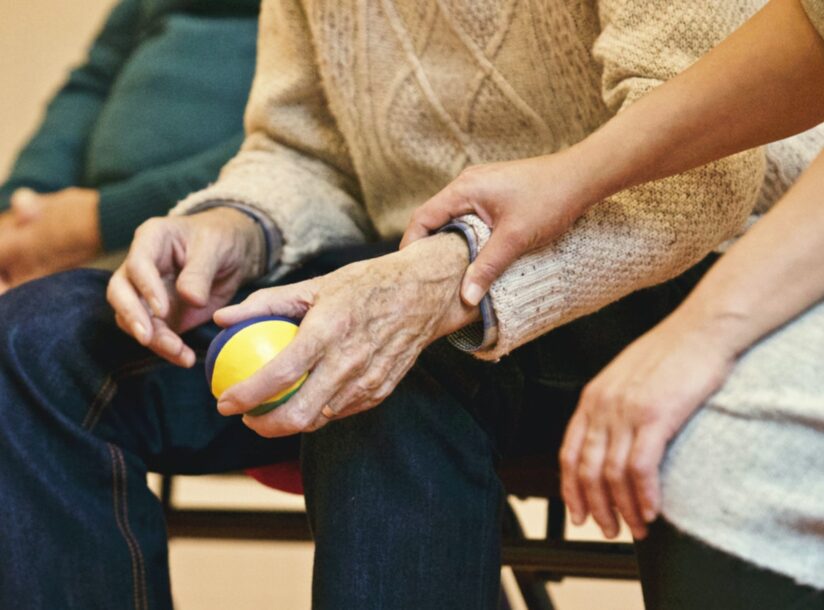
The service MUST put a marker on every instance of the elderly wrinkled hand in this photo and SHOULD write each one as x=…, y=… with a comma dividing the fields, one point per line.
x=617, y=437
x=45, y=233
x=527, y=203
x=179, y=271
x=363, y=327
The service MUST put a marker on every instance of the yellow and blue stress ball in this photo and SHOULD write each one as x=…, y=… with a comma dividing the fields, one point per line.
x=239, y=351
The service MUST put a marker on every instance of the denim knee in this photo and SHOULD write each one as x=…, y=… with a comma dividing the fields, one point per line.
x=57, y=334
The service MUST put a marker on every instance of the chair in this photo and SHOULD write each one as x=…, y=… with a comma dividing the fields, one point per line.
x=533, y=562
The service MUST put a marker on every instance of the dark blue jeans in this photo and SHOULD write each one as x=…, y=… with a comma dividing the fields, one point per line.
x=403, y=500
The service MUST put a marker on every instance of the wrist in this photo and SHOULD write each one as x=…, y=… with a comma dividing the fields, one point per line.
x=247, y=235
x=723, y=329
x=442, y=260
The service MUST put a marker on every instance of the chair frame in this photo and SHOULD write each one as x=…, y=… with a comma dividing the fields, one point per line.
x=533, y=562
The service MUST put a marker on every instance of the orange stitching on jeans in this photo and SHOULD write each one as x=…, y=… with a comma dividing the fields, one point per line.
x=121, y=515
x=109, y=387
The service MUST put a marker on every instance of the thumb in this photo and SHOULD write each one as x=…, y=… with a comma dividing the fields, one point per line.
x=195, y=281
x=502, y=249
x=26, y=204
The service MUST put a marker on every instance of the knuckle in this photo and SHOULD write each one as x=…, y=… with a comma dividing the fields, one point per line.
x=640, y=468
x=591, y=394
x=484, y=269
x=613, y=473
x=341, y=325
x=566, y=458
x=132, y=264
x=589, y=474
x=300, y=419
x=367, y=386
x=148, y=227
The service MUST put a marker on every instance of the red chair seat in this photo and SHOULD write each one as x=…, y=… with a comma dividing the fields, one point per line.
x=284, y=476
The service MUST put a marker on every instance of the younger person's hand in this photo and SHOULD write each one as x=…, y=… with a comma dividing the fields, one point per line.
x=627, y=415
x=527, y=203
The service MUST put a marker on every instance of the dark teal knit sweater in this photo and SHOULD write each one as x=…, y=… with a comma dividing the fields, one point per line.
x=152, y=115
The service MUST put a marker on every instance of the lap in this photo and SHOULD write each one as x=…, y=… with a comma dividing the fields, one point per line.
x=680, y=572
x=759, y=442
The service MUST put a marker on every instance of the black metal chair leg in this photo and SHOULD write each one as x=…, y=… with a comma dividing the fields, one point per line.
x=166, y=492
x=530, y=584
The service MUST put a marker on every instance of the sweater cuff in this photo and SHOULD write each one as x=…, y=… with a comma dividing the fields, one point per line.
x=815, y=11
x=528, y=298
x=124, y=207
x=484, y=333
x=272, y=238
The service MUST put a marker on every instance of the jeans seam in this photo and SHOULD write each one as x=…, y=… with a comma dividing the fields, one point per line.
x=121, y=514
x=107, y=389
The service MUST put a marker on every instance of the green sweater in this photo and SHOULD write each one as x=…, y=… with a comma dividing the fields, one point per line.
x=152, y=115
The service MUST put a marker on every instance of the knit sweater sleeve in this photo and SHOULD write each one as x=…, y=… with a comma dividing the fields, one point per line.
x=53, y=158
x=294, y=165
x=125, y=205
x=646, y=234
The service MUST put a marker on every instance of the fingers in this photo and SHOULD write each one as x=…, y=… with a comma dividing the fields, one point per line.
x=278, y=375
x=130, y=311
x=618, y=481
x=645, y=459
x=505, y=245
x=292, y=301
x=590, y=472
x=570, y=455
x=450, y=203
x=194, y=283
x=168, y=345
x=164, y=342
x=142, y=272
x=304, y=412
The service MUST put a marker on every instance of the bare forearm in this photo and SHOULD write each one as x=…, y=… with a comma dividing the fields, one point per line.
x=771, y=275
x=762, y=84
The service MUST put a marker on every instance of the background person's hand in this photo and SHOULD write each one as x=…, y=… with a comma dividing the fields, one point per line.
x=46, y=233
x=363, y=327
x=179, y=271
x=527, y=203
x=617, y=437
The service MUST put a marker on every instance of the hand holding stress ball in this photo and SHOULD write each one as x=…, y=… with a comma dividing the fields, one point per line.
x=244, y=348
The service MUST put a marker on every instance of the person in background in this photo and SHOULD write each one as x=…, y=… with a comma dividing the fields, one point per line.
x=743, y=482
x=153, y=114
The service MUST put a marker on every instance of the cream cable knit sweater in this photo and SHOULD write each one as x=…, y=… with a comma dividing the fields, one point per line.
x=360, y=111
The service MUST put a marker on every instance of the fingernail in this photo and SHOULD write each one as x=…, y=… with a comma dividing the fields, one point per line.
x=472, y=293
x=139, y=331
x=154, y=302
x=577, y=518
x=189, y=360
x=649, y=515
x=225, y=405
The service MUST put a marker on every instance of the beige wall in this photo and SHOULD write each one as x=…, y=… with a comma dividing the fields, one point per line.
x=39, y=40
